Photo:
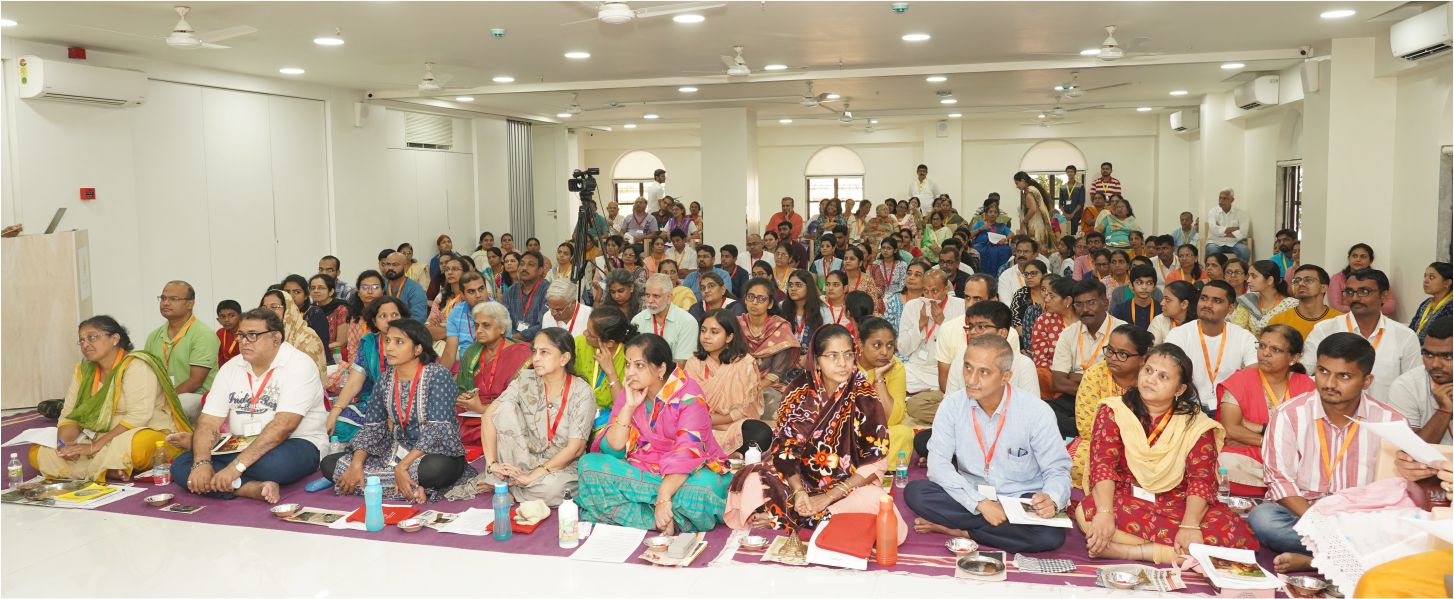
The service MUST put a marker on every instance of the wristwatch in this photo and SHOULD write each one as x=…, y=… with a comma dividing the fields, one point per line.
x=241, y=468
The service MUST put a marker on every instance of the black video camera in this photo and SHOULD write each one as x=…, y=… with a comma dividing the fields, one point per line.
x=583, y=182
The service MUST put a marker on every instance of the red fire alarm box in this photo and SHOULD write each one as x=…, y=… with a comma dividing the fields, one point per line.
x=88, y=193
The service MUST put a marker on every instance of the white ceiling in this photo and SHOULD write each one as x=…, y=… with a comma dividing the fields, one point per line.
x=1000, y=57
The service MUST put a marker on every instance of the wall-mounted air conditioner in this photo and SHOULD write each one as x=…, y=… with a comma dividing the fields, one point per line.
x=46, y=79
x=1185, y=120
x=1423, y=35
x=1256, y=93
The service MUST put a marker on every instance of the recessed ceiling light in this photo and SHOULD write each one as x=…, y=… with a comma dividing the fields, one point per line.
x=7, y=23
x=464, y=99
x=1040, y=116
x=629, y=125
x=915, y=37
x=1232, y=65
x=873, y=121
x=775, y=67
x=785, y=121
x=832, y=97
x=687, y=89
x=651, y=116
x=955, y=115
x=563, y=115
x=1143, y=109
x=936, y=79
x=689, y=18
x=577, y=55
x=1341, y=13
x=1177, y=92
x=328, y=41
x=949, y=101
x=503, y=79
x=291, y=71
x=1090, y=52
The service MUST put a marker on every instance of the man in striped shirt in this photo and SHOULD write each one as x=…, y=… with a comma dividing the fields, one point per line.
x=1106, y=184
x=1313, y=446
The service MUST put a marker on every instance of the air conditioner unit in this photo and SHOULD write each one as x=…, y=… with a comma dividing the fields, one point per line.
x=1421, y=36
x=1256, y=93
x=46, y=79
x=1185, y=120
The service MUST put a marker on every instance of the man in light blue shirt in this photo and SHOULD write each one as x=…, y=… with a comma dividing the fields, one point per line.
x=398, y=284
x=459, y=325
x=991, y=439
x=706, y=258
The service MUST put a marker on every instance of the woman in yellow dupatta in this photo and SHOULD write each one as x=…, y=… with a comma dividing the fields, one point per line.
x=296, y=331
x=119, y=409
x=1153, y=470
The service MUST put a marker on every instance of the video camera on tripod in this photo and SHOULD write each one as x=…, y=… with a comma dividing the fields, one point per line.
x=582, y=182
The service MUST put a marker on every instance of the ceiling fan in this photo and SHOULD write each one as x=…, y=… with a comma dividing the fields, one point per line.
x=185, y=38
x=1048, y=123
x=576, y=108
x=812, y=101
x=736, y=65
x=1112, y=50
x=618, y=13
x=1057, y=111
x=1073, y=89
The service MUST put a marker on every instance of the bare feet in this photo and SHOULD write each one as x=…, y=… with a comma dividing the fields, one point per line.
x=925, y=526
x=1292, y=562
x=759, y=520
x=180, y=440
x=262, y=491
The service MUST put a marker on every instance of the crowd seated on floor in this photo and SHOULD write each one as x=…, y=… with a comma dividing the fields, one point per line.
x=1051, y=351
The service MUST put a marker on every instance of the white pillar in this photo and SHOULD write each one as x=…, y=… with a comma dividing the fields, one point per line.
x=729, y=176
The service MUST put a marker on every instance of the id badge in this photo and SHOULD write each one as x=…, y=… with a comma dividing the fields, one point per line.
x=252, y=429
x=1142, y=494
x=521, y=327
x=989, y=492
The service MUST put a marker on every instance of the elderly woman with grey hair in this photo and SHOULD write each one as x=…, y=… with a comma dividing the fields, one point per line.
x=488, y=366
x=659, y=317
x=564, y=309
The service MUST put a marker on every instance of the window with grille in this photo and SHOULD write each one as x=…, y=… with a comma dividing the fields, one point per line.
x=1290, y=196
x=830, y=187
x=627, y=190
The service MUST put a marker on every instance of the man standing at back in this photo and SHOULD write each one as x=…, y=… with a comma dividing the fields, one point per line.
x=794, y=220
x=656, y=189
x=1106, y=184
x=188, y=349
x=397, y=284
x=1072, y=198
x=923, y=187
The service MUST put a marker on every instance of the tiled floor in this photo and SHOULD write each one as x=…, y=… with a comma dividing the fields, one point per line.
x=70, y=553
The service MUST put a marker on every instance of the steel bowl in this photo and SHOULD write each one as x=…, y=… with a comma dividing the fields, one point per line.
x=411, y=525
x=735, y=464
x=658, y=543
x=1306, y=586
x=158, y=500
x=1122, y=579
x=1239, y=505
x=982, y=566
x=754, y=542
x=286, y=510
x=962, y=546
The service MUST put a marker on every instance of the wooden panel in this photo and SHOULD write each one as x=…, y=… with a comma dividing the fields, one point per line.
x=300, y=185
x=42, y=304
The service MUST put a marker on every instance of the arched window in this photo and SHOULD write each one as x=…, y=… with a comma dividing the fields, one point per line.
x=832, y=172
x=632, y=172
x=1046, y=162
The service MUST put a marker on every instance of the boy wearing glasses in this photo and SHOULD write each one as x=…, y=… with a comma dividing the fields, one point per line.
x=1423, y=395
x=1309, y=283
x=1395, y=345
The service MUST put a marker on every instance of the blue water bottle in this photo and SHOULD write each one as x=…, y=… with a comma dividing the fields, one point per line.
x=501, y=504
x=373, y=505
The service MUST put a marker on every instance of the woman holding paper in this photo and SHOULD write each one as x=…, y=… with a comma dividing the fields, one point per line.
x=993, y=251
x=1153, y=470
x=829, y=453
x=1251, y=395
x=119, y=408
x=659, y=465
x=410, y=435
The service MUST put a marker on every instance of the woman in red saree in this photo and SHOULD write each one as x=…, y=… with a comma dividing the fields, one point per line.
x=1248, y=397
x=488, y=366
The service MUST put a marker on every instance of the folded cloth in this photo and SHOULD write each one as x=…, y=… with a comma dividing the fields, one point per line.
x=531, y=512
x=1383, y=494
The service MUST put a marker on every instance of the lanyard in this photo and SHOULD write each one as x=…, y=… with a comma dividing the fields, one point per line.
x=380, y=338
x=837, y=318
x=658, y=330
x=494, y=364
x=402, y=414
x=823, y=270
x=929, y=333
x=96, y=380
x=167, y=347
x=1095, y=351
x=573, y=316
x=1158, y=429
x=395, y=292
x=1329, y=462
x=1357, y=331
x=1430, y=310
x=856, y=280
x=530, y=297
x=1272, y=396
x=1152, y=308
x=1207, y=358
x=231, y=347
x=258, y=391
x=1004, y=415
x=564, y=395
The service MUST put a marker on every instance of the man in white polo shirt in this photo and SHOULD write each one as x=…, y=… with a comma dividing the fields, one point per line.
x=272, y=398
x=1395, y=345
x=1012, y=278
x=1079, y=347
x=919, y=329
x=1216, y=348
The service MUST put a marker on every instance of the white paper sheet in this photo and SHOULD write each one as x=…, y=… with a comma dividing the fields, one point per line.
x=825, y=557
x=470, y=414
x=994, y=238
x=39, y=436
x=1204, y=554
x=471, y=522
x=1403, y=437
x=1443, y=529
x=611, y=544
x=1018, y=511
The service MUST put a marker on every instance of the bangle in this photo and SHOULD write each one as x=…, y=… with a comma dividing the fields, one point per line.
x=1442, y=411
x=1198, y=527
x=661, y=501
x=201, y=462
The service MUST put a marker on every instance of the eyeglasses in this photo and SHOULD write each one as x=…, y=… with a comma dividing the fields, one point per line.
x=451, y=269
x=1118, y=355
x=1085, y=304
x=1360, y=292
x=90, y=339
x=796, y=284
x=173, y=298
x=1428, y=355
x=1273, y=349
x=370, y=287
x=979, y=327
x=318, y=288
x=753, y=298
x=252, y=337
x=1305, y=280
x=837, y=356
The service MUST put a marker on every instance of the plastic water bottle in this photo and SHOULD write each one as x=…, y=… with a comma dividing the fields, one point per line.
x=161, y=467
x=901, y=474
x=1224, y=486
x=568, y=516
x=753, y=455
x=14, y=474
x=335, y=446
x=501, y=505
x=886, y=537
x=373, y=505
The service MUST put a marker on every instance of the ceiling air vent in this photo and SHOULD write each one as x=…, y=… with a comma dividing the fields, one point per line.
x=428, y=131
